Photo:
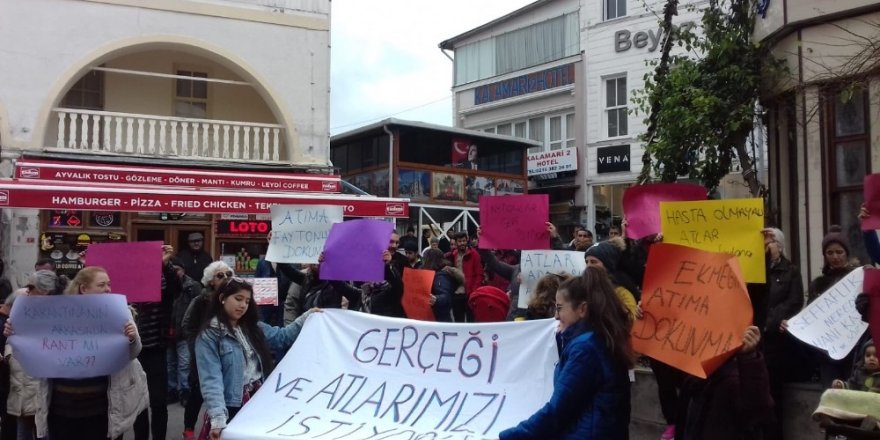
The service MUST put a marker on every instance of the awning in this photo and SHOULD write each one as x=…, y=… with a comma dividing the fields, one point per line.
x=16, y=193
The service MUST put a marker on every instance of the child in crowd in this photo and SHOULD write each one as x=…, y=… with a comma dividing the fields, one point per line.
x=866, y=371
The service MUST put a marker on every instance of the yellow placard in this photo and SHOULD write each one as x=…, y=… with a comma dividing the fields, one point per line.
x=727, y=226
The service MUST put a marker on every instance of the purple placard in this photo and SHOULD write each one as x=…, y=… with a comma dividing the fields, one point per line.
x=353, y=251
x=135, y=269
x=70, y=336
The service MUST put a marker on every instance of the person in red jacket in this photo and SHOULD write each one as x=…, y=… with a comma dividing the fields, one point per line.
x=468, y=260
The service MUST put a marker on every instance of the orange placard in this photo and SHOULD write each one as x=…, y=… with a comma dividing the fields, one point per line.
x=417, y=285
x=695, y=309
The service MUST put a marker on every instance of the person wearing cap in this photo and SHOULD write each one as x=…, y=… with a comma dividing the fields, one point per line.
x=411, y=250
x=195, y=259
x=836, y=252
x=606, y=255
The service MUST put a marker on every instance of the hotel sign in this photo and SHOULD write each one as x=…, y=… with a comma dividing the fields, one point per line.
x=525, y=84
x=555, y=161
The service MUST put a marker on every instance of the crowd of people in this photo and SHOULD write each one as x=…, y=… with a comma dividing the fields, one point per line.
x=207, y=345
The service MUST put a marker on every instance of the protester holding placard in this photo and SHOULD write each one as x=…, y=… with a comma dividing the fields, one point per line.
x=733, y=403
x=835, y=251
x=377, y=298
x=154, y=322
x=233, y=352
x=93, y=408
x=591, y=388
x=21, y=403
x=212, y=277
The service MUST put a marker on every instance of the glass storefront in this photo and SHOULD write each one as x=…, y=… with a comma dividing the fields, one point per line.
x=608, y=202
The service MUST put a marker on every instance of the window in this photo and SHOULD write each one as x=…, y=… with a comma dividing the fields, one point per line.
x=848, y=163
x=522, y=48
x=569, y=130
x=536, y=133
x=555, y=131
x=87, y=93
x=615, y=106
x=615, y=9
x=192, y=95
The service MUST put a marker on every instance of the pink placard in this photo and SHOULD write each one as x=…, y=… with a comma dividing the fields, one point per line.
x=871, y=286
x=135, y=268
x=641, y=205
x=872, y=202
x=514, y=222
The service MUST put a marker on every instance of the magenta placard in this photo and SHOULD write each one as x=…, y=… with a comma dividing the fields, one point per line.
x=514, y=222
x=872, y=202
x=641, y=205
x=135, y=268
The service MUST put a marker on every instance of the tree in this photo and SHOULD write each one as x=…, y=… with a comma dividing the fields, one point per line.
x=700, y=105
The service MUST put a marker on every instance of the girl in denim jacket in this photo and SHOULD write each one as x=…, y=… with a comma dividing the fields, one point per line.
x=234, y=352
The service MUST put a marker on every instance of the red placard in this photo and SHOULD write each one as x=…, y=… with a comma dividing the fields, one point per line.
x=33, y=170
x=641, y=205
x=15, y=194
x=417, y=285
x=141, y=285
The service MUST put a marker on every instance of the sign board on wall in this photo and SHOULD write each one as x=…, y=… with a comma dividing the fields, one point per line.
x=555, y=161
x=525, y=84
x=612, y=159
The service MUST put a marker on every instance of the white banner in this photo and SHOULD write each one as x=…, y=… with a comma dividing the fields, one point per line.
x=831, y=322
x=299, y=232
x=535, y=264
x=554, y=161
x=353, y=376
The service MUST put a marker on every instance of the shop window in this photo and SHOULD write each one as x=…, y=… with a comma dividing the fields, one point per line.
x=87, y=93
x=615, y=106
x=848, y=162
x=615, y=9
x=608, y=202
x=191, y=98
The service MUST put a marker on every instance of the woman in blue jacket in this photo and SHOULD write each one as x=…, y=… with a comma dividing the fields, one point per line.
x=591, y=397
x=233, y=352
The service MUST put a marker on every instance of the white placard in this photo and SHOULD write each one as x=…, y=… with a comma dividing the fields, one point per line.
x=299, y=232
x=831, y=322
x=352, y=375
x=265, y=291
x=554, y=161
x=535, y=264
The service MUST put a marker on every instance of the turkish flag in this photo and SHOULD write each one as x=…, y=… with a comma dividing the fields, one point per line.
x=460, y=150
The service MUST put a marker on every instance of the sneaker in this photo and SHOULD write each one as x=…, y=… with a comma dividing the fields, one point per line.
x=669, y=433
x=188, y=434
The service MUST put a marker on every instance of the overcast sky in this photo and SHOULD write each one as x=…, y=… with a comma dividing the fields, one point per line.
x=385, y=61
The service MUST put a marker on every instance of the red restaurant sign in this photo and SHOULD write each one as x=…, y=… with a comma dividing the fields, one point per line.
x=83, y=172
x=45, y=195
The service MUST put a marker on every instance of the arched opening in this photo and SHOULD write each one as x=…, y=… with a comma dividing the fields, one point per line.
x=168, y=99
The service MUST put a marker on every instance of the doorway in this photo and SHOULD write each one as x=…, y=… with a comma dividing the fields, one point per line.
x=176, y=235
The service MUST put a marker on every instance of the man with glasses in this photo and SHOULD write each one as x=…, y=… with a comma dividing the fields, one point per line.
x=195, y=259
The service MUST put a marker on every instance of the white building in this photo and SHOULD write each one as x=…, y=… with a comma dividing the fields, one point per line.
x=227, y=102
x=521, y=75
x=824, y=120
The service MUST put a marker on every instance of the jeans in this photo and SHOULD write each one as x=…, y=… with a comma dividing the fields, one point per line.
x=178, y=367
x=154, y=361
x=27, y=428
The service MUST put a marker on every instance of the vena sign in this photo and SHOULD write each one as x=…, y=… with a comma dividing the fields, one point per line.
x=624, y=39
